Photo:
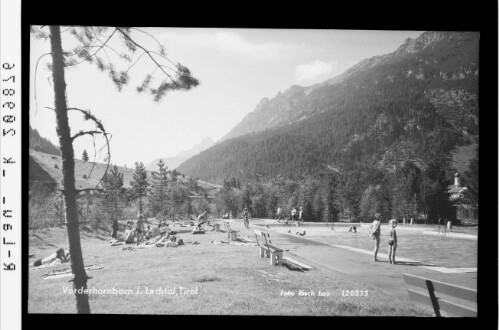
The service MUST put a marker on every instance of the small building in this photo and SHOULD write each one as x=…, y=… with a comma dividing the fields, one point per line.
x=464, y=212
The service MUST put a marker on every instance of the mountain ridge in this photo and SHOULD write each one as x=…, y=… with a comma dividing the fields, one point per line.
x=269, y=112
x=173, y=162
x=421, y=98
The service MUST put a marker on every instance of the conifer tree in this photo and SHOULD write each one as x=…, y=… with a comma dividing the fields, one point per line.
x=331, y=199
x=84, y=156
x=159, y=187
x=139, y=183
x=470, y=180
x=112, y=192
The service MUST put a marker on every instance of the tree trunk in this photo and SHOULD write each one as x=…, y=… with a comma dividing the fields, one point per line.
x=86, y=216
x=116, y=208
x=67, y=155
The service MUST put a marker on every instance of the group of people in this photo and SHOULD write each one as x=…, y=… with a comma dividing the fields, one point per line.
x=375, y=232
x=138, y=233
x=295, y=215
x=160, y=235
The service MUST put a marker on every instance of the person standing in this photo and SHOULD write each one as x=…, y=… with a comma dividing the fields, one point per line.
x=246, y=218
x=278, y=213
x=139, y=227
x=300, y=214
x=375, y=232
x=201, y=220
x=293, y=214
x=392, y=240
x=115, y=229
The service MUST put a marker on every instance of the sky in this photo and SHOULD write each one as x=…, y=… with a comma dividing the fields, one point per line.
x=236, y=69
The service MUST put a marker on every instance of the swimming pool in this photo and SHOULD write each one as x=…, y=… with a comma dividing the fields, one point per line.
x=444, y=251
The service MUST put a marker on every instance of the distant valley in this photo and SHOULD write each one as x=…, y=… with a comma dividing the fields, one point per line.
x=173, y=162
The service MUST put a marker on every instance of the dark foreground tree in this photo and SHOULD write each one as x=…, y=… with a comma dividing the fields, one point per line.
x=91, y=42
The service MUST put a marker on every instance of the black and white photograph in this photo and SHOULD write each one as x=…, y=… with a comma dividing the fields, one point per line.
x=253, y=171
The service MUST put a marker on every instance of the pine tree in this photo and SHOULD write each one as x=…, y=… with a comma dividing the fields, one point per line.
x=112, y=193
x=84, y=156
x=470, y=180
x=139, y=183
x=230, y=200
x=159, y=188
x=352, y=195
x=368, y=204
x=246, y=197
x=89, y=44
x=331, y=197
x=318, y=206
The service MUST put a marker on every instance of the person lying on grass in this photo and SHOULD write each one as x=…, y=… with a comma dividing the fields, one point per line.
x=58, y=257
x=172, y=242
x=164, y=233
x=298, y=233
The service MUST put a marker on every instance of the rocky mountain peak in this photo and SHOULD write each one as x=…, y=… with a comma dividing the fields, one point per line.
x=424, y=40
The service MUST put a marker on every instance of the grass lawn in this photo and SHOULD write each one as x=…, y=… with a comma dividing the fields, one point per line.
x=225, y=279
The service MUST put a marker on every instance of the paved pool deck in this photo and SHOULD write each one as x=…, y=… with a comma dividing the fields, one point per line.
x=357, y=264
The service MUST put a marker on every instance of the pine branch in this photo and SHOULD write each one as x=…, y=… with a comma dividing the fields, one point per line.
x=88, y=189
x=98, y=123
x=98, y=50
x=36, y=70
x=81, y=133
x=148, y=54
x=159, y=44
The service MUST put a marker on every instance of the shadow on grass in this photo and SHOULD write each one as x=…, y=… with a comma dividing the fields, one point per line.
x=413, y=263
x=208, y=278
x=44, y=241
x=293, y=268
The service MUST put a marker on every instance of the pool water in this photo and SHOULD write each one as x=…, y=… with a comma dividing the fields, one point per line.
x=443, y=251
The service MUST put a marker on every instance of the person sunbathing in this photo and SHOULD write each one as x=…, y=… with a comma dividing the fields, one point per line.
x=164, y=233
x=56, y=258
x=153, y=232
x=172, y=242
x=129, y=235
x=146, y=232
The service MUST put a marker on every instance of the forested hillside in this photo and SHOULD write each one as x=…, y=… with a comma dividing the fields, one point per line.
x=411, y=105
x=41, y=144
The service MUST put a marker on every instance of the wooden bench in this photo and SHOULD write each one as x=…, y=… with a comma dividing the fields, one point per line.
x=231, y=234
x=450, y=299
x=271, y=251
